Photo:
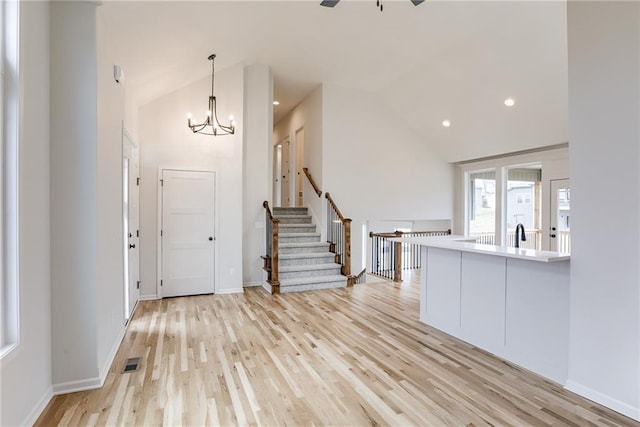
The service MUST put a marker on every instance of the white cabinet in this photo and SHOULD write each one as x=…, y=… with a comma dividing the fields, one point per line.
x=443, y=296
x=515, y=308
x=482, y=301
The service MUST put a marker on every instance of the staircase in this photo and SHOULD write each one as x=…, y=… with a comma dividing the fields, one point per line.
x=305, y=262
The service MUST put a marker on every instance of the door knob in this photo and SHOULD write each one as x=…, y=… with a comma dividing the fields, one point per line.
x=210, y=238
x=132, y=246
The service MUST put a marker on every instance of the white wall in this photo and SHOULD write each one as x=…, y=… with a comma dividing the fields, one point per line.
x=604, y=117
x=110, y=266
x=26, y=372
x=257, y=167
x=376, y=168
x=87, y=319
x=307, y=115
x=74, y=182
x=167, y=142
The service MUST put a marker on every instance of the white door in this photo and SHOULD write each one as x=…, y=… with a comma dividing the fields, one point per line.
x=299, y=166
x=285, y=169
x=277, y=173
x=188, y=239
x=134, y=235
x=560, y=226
x=131, y=221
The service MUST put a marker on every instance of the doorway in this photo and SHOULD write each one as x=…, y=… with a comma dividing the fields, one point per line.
x=131, y=221
x=299, y=166
x=188, y=232
x=281, y=164
x=560, y=224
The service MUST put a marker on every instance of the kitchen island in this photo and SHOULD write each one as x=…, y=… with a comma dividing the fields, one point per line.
x=511, y=302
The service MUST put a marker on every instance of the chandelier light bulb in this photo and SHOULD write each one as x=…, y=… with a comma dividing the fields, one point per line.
x=446, y=123
x=509, y=102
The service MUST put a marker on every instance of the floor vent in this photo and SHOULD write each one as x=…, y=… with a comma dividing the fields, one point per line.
x=131, y=365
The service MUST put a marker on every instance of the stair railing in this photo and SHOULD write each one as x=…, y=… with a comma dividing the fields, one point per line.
x=339, y=237
x=312, y=182
x=389, y=258
x=271, y=258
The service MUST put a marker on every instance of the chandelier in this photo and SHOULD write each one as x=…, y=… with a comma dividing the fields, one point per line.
x=211, y=125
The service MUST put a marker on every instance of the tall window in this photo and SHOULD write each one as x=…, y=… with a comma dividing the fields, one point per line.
x=8, y=177
x=482, y=206
x=523, y=205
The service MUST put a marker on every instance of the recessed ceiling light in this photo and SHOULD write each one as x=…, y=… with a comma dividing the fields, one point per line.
x=509, y=102
x=276, y=102
x=446, y=123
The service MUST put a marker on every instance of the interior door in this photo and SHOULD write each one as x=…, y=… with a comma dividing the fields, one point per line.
x=299, y=166
x=134, y=235
x=560, y=225
x=277, y=174
x=285, y=170
x=131, y=221
x=188, y=240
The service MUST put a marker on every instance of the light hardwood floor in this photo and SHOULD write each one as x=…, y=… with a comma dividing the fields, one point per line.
x=355, y=356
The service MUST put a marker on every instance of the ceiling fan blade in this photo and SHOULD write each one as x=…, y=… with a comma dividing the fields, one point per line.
x=416, y=2
x=330, y=3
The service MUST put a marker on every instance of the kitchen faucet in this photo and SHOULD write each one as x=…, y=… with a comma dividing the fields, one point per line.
x=522, y=236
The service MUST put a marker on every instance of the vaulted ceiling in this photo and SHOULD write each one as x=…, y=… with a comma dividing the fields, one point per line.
x=441, y=60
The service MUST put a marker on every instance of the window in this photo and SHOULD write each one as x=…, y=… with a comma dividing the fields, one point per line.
x=9, y=176
x=523, y=198
x=523, y=201
x=482, y=206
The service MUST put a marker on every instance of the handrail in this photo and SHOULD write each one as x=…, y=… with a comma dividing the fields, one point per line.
x=411, y=233
x=335, y=208
x=265, y=205
x=312, y=181
x=271, y=258
x=339, y=237
x=389, y=258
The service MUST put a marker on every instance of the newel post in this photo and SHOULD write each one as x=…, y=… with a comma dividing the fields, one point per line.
x=397, y=268
x=346, y=267
x=275, y=282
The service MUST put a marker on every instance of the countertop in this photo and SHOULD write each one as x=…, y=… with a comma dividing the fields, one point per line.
x=467, y=244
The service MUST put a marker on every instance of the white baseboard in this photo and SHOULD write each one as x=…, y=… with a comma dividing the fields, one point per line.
x=603, y=399
x=148, y=297
x=266, y=287
x=73, y=386
x=251, y=284
x=230, y=291
x=96, y=382
x=38, y=408
x=112, y=355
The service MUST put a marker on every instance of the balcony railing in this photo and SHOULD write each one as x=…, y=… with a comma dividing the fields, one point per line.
x=534, y=239
x=389, y=258
x=564, y=241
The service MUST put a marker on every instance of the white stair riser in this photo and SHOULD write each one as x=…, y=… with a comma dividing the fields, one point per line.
x=303, y=249
x=308, y=273
x=329, y=258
